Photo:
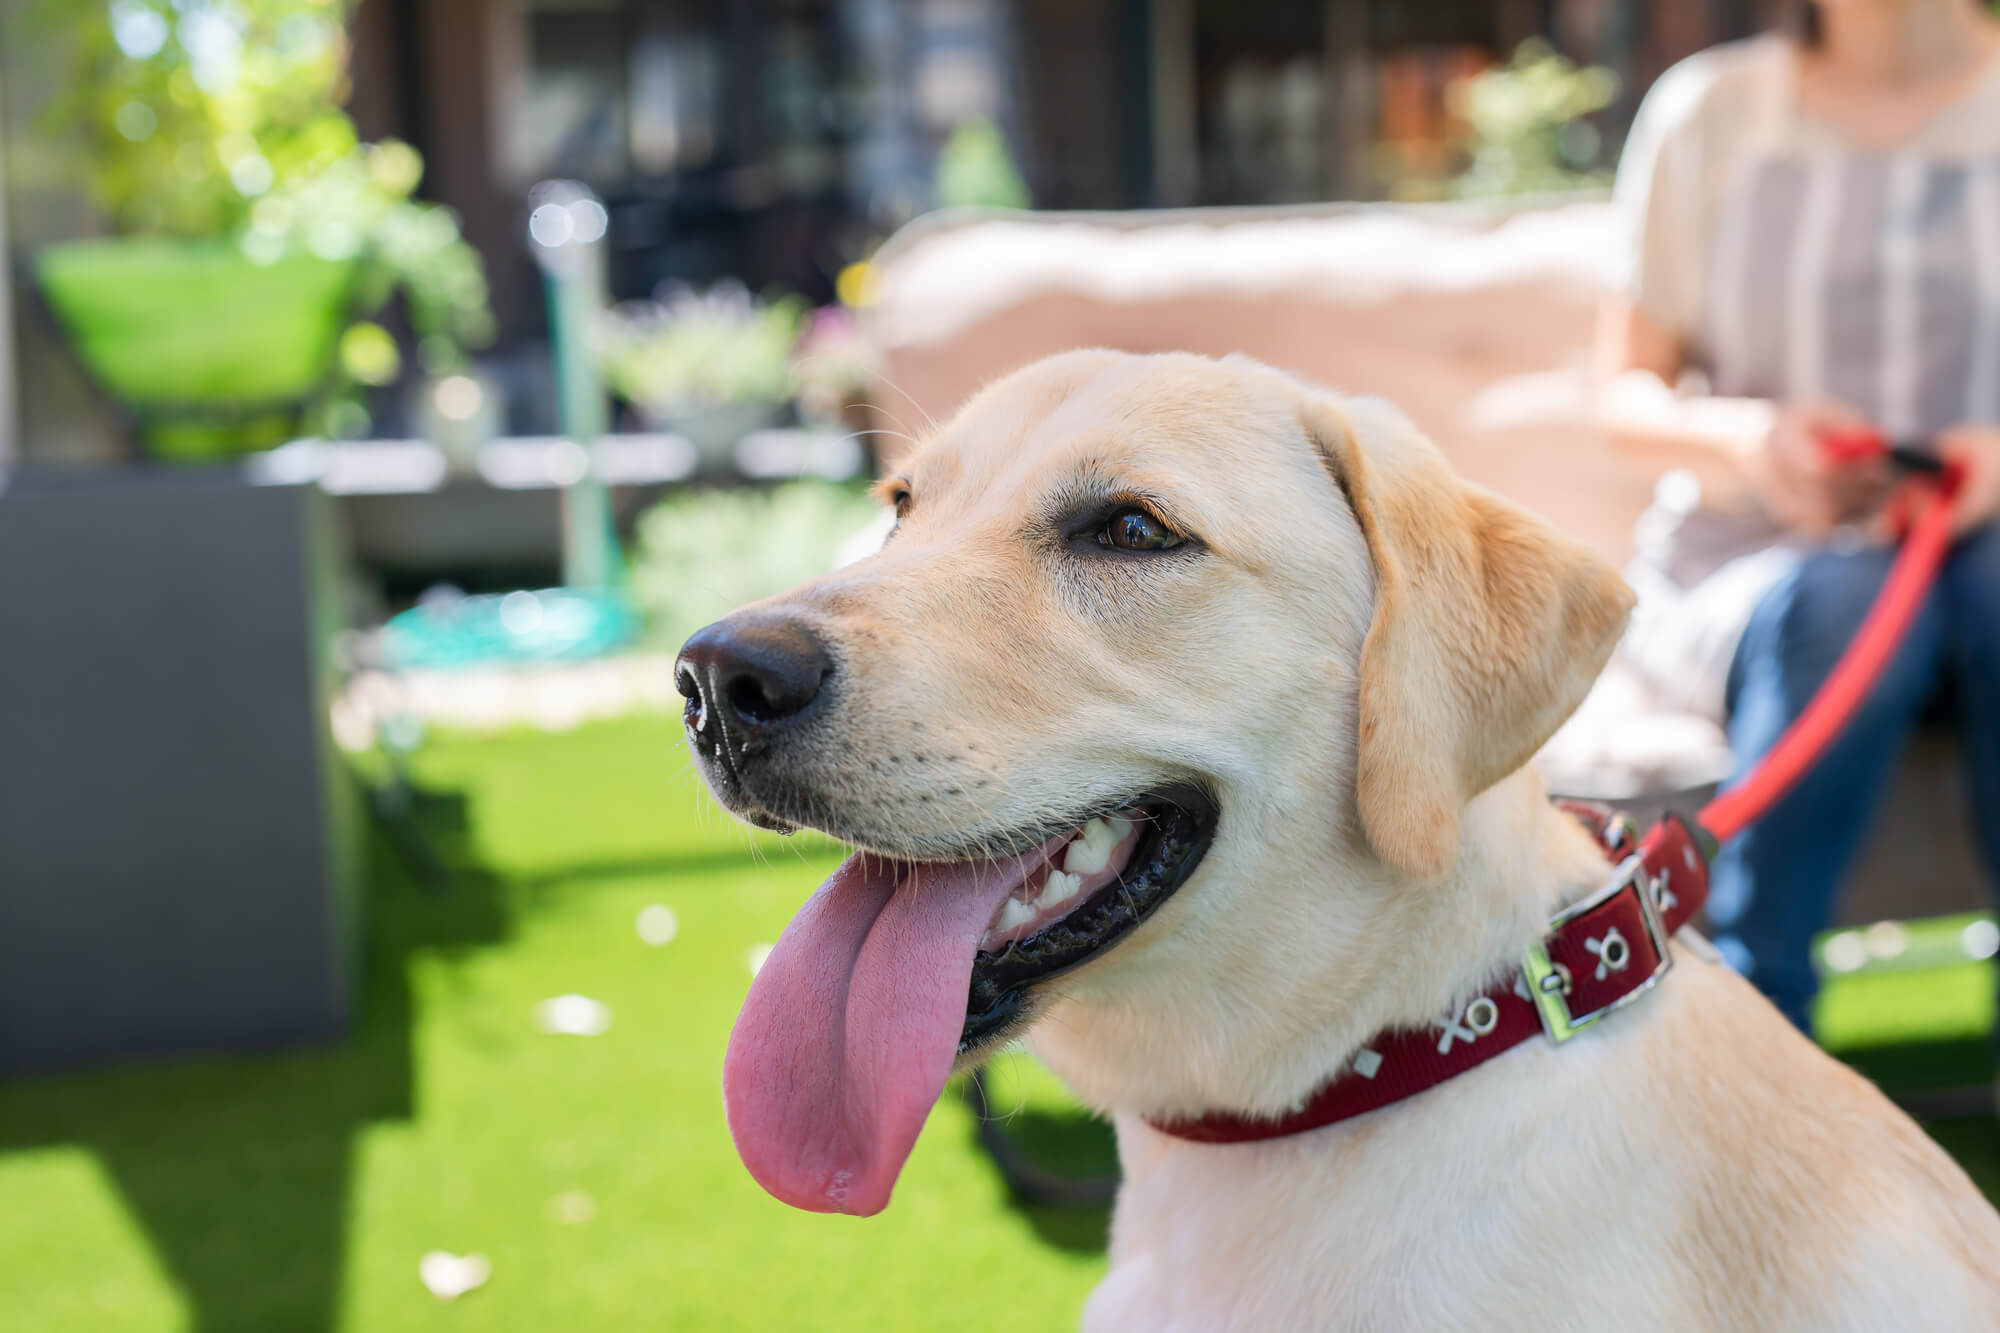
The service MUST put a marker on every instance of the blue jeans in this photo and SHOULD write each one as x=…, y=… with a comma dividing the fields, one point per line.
x=1773, y=886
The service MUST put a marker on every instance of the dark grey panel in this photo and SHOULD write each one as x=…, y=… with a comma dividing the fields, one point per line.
x=175, y=839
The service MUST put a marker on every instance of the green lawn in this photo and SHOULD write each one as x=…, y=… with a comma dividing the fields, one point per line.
x=296, y=1192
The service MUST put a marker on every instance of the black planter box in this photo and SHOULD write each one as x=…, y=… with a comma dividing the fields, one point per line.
x=179, y=844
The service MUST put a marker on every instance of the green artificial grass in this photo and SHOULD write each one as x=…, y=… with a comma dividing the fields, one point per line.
x=295, y=1191
x=1923, y=1018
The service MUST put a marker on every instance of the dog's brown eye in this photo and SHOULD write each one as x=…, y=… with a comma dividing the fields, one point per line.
x=1137, y=530
x=901, y=500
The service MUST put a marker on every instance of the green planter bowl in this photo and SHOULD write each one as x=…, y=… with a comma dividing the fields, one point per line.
x=215, y=353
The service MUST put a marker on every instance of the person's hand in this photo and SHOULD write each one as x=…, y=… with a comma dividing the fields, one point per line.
x=1977, y=450
x=1804, y=489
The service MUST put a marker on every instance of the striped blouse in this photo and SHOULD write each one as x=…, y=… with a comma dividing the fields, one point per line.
x=1794, y=265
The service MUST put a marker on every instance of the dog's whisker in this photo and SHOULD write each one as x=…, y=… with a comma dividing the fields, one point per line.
x=892, y=433
x=930, y=422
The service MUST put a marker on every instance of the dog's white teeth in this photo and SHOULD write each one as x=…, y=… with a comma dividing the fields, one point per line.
x=1085, y=855
x=1060, y=888
x=1090, y=851
x=1084, y=858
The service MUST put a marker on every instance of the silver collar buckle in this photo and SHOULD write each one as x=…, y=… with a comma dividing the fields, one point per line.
x=1548, y=982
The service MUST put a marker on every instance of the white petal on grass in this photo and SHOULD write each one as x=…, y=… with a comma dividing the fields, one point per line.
x=449, y=1276
x=1886, y=939
x=1981, y=939
x=573, y=1016
x=1845, y=952
x=755, y=959
x=658, y=925
x=573, y=1206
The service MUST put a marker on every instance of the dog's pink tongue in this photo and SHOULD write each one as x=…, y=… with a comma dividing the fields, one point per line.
x=851, y=1027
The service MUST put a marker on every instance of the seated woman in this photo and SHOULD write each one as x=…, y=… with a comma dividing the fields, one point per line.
x=1818, y=239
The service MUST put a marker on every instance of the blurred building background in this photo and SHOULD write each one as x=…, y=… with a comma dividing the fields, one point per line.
x=775, y=141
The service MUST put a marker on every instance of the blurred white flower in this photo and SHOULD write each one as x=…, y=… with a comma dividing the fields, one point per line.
x=449, y=1276
x=1981, y=939
x=658, y=925
x=573, y=1206
x=573, y=1016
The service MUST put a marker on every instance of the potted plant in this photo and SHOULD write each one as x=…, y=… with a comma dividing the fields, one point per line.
x=255, y=234
x=975, y=170
x=712, y=366
x=747, y=543
x=1527, y=126
x=183, y=846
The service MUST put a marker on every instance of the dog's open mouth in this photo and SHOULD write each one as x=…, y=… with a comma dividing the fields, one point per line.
x=896, y=968
x=1086, y=891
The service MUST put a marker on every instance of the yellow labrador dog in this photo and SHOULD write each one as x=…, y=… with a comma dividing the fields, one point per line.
x=1182, y=724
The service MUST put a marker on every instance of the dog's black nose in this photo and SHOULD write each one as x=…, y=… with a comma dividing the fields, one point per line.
x=745, y=673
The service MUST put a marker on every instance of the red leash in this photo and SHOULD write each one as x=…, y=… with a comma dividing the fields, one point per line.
x=1925, y=545
x=1607, y=951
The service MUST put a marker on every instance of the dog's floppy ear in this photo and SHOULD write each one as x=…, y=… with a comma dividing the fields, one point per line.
x=1489, y=627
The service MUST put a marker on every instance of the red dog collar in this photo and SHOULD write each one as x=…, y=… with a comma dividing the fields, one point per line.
x=1598, y=956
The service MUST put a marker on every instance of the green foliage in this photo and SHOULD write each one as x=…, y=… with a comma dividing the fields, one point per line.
x=191, y=111
x=1526, y=124
x=701, y=554
x=223, y=119
x=976, y=171
x=694, y=351
x=360, y=204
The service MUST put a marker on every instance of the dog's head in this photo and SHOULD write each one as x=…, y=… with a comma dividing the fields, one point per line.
x=1173, y=678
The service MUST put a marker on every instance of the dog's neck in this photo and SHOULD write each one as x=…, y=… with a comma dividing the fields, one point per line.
x=1353, y=949
x=1520, y=859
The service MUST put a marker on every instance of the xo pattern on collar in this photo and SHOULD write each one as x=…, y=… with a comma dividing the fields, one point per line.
x=1598, y=956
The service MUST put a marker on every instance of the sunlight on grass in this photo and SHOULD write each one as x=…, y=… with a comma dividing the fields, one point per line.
x=298, y=1191
x=43, y=1284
